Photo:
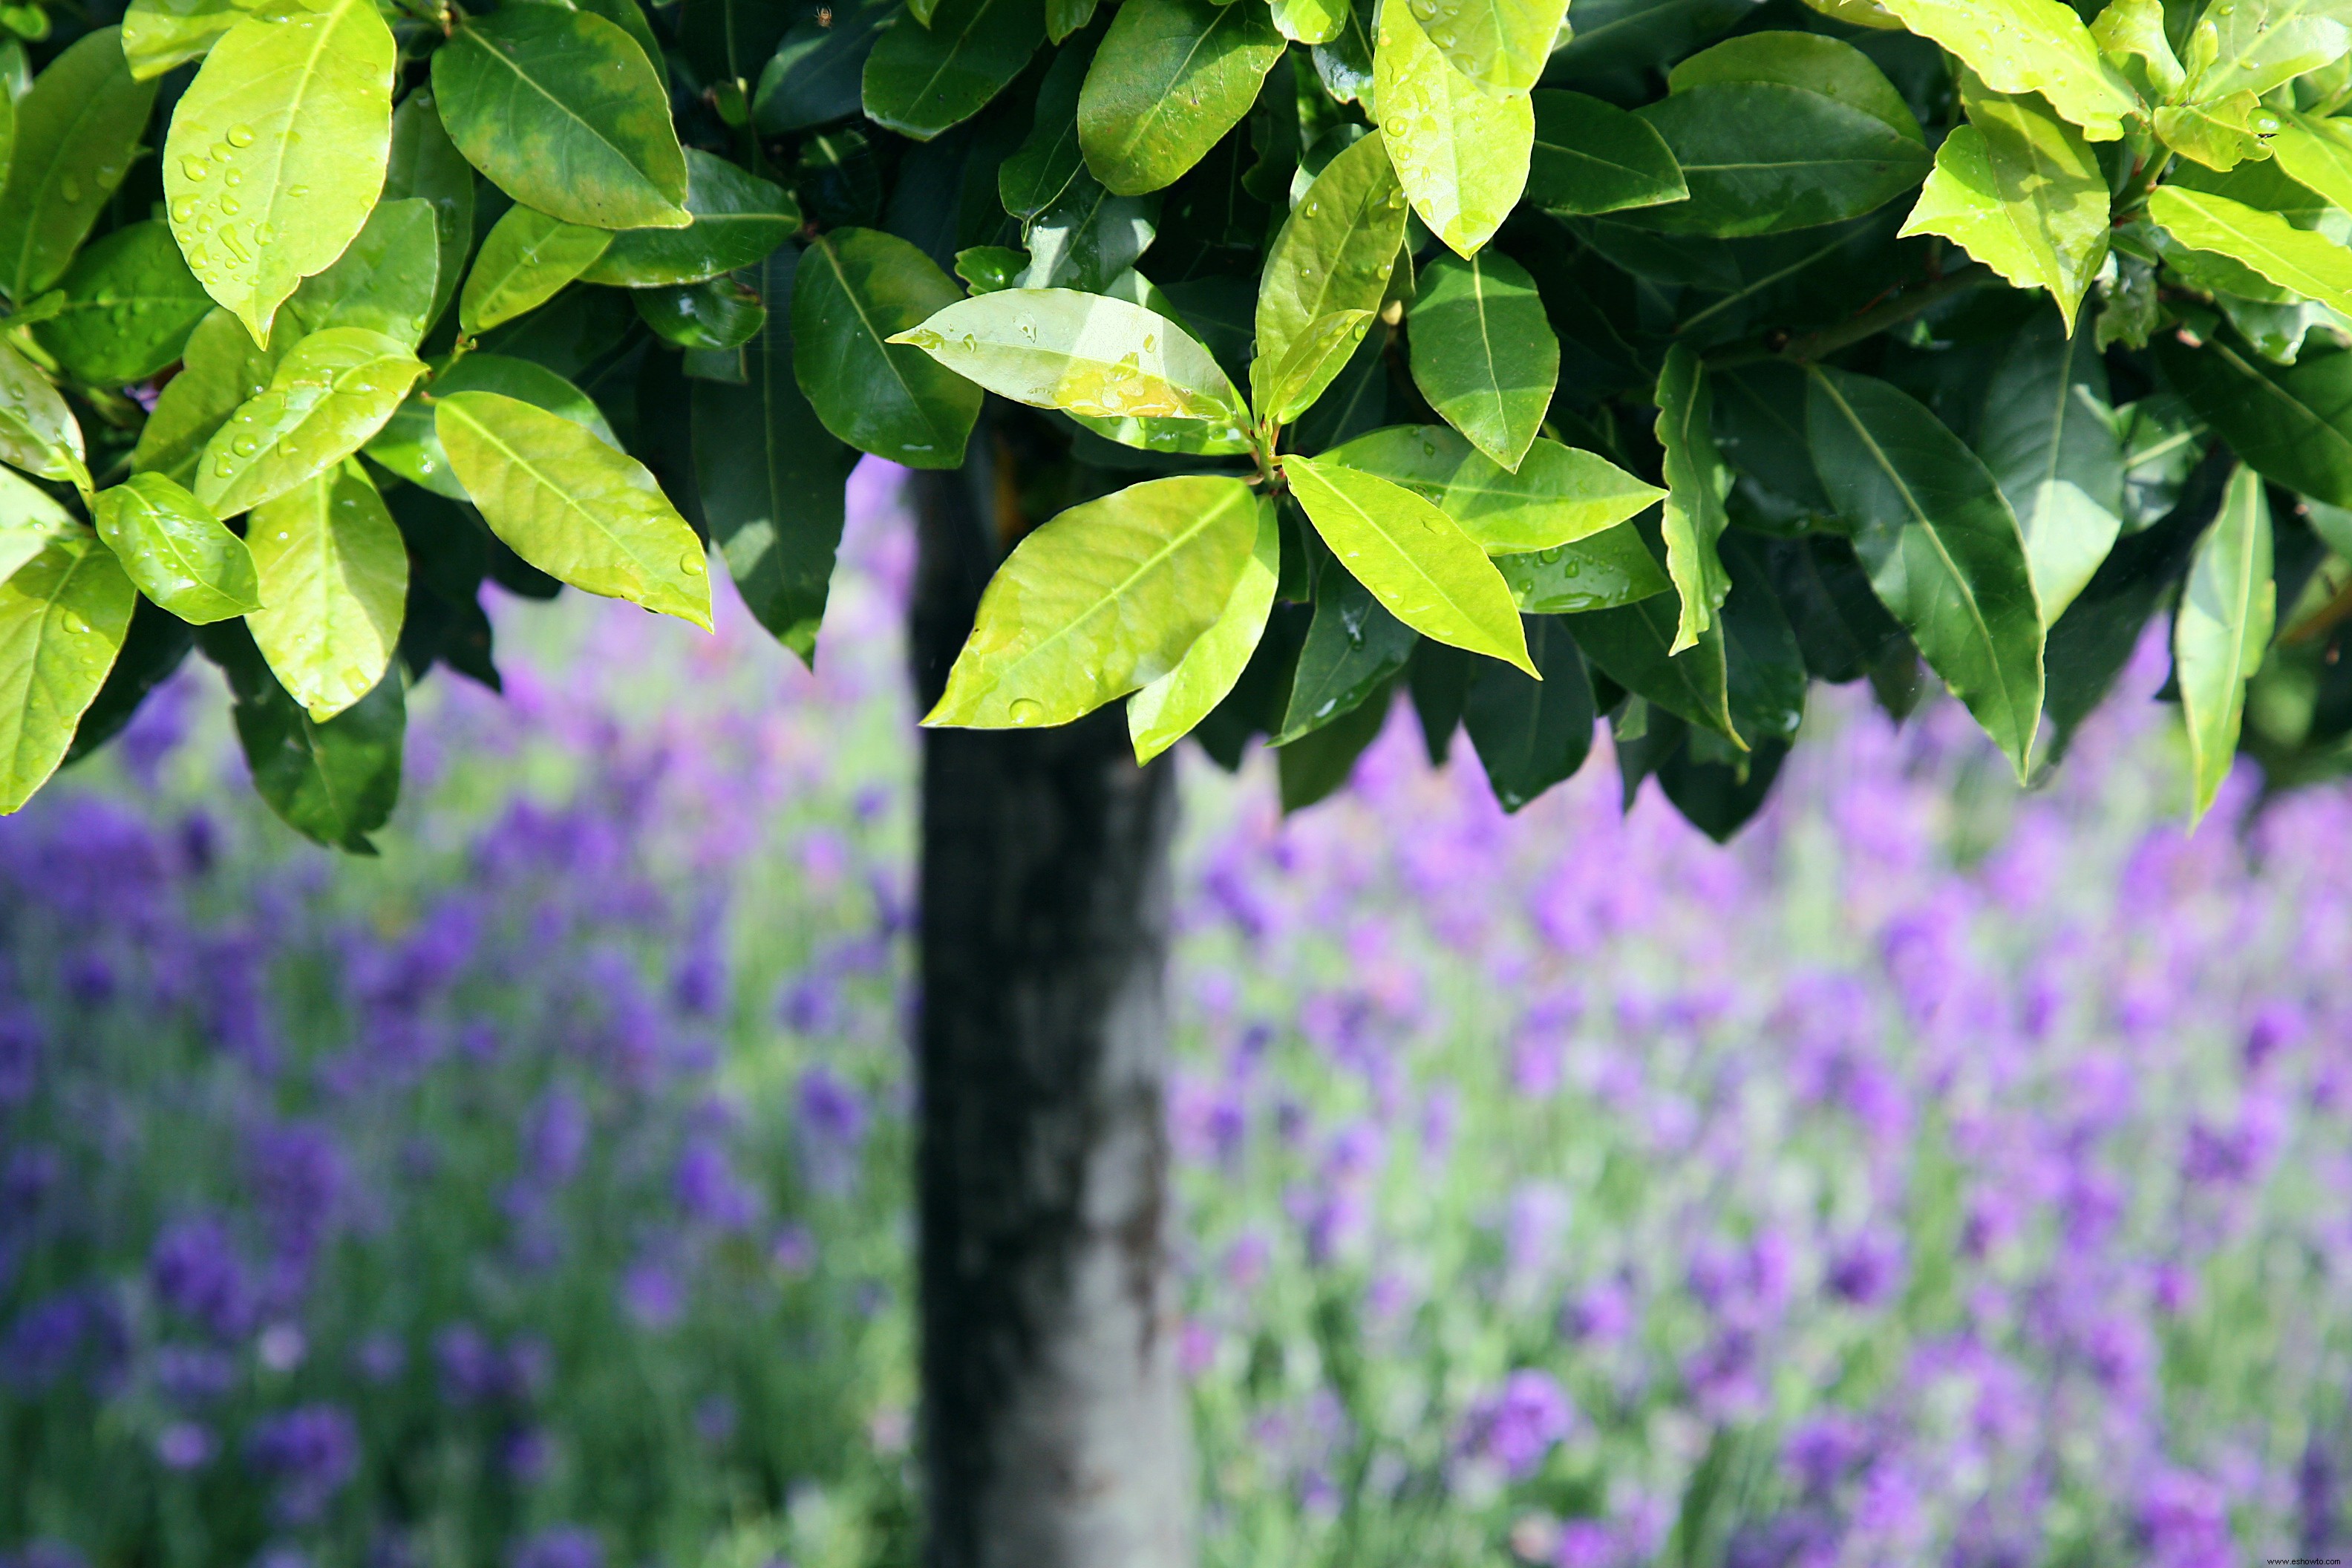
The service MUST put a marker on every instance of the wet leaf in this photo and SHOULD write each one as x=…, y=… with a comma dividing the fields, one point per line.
x=75, y=135
x=334, y=585
x=1170, y=78
x=175, y=551
x=37, y=432
x=1334, y=252
x=854, y=291
x=1164, y=711
x=130, y=304
x=335, y=783
x=332, y=392
x=63, y=616
x=1461, y=155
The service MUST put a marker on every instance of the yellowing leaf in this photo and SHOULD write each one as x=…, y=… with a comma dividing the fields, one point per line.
x=2029, y=46
x=334, y=586
x=277, y=151
x=1335, y=251
x=1105, y=598
x=1088, y=354
x=2227, y=611
x=63, y=616
x=327, y=396
x=176, y=552
x=572, y=506
x=2312, y=265
x=1163, y=713
x=1416, y=560
x=1461, y=154
x=525, y=258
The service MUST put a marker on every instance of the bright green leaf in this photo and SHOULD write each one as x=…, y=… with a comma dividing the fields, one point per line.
x=1103, y=599
x=1697, y=482
x=1558, y=495
x=572, y=506
x=220, y=368
x=2134, y=29
x=1501, y=45
x=1312, y=363
x=334, y=589
x=563, y=113
x=63, y=616
x=2021, y=190
x=1943, y=551
x=2029, y=46
x=160, y=34
x=29, y=519
x=855, y=290
x=1334, y=252
x=426, y=164
x=2316, y=153
x=332, y=392
x=1310, y=21
x=739, y=220
x=2219, y=134
x=1056, y=348
x=1422, y=567
x=1594, y=157
x=37, y=432
x=1817, y=63
x=2227, y=611
x=1764, y=158
x=920, y=79
x=387, y=281
x=130, y=304
x=1170, y=78
x=75, y=134
x=1461, y=155
x=2253, y=45
x=526, y=258
x=277, y=151
x=410, y=447
x=1484, y=353
x=2309, y=264
x=175, y=551
x=1087, y=238
x=1164, y=711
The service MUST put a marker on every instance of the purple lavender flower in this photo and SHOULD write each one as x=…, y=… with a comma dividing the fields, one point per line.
x=1865, y=1268
x=559, y=1546
x=832, y=1117
x=185, y=1445
x=312, y=1452
x=472, y=1371
x=652, y=1295
x=1518, y=1425
x=709, y=1190
x=195, y=1271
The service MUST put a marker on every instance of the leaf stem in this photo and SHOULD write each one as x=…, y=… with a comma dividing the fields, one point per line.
x=1806, y=347
x=2136, y=190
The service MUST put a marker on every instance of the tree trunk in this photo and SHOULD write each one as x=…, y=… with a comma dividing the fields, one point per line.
x=1056, y=1432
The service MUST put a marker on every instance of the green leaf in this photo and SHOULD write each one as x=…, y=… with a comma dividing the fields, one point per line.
x=1943, y=549
x=2049, y=437
x=1088, y=354
x=855, y=290
x=2134, y=29
x=1830, y=67
x=37, y=432
x=921, y=79
x=1594, y=157
x=2029, y=46
x=1087, y=238
x=2020, y=190
x=410, y=447
x=388, y=282
x=770, y=477
x=2311, y=265
x=1532, y=734
x=1484, y=353
x=277, y=151
x=563, y=113
x=2227, y=612
x=177, y=552
x=817, y=74
x=1764, y=158
x=334, y=588
x=1501, y=45
x=1697, y=480
x=2219, y=134
x=1558, y=495
x=630, y=17
x=1102, y=600
x=130, y=304
x=1311, y=21
x=29, y=519
x=1354, y=649
x=2316, y=153
x=2292, y=423
x=63, y=616
x=1312, y=767
x=1461, y=155
x=334, y=782
x=1164, y=711
x=2253, y=45
x=1170, y=78
x=332, y=392
x=220, y=368
x=717, y=316
x=1764, y=667
x=75, y=134
x=526, y=258
x=572, y=506
x=1048, y=159
x=1313, y=363
x=426, y=164
x=739, y=220
x=1335, y=251
x=1422, y=567
x=1607, y=571
x=153, y=651
x=986, y=268
x=160, y=34
x=1629, y=646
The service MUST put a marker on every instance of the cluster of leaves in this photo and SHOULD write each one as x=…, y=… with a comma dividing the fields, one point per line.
x=1649, y=361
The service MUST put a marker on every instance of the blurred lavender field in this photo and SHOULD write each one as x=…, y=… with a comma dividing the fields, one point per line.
x=1938, y=1175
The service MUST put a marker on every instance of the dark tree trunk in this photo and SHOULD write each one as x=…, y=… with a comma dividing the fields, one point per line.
x=1055, y=1433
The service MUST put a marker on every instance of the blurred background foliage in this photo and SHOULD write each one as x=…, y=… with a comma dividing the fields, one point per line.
x=1942, y=1173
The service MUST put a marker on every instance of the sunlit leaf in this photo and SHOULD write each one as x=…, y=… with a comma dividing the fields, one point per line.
x=1697, y=480
x=37, y=432
x=1164, y=711
x=739, y=220
x=160, y=34
x=525, y=258
x=387, y=280
x=2029, y=46
x=335, y=783
x=63, y=615
x=1484, y=353
x=332, y=392
x=410, y=447
x=75, y=135
x=1171, y=78
x=220, y=368
x=1557, y=496
x=175, y=551
x=1334, y=252
x=334, y=588
x=2227, y=611
x=1461, y=154
x=2311, y=265
x=1501, y=45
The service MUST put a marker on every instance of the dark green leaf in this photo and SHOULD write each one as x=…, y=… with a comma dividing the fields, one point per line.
x=387, y=280
x=852, y=290
x=2048, y=435
x=1170, y=78
x=817, y=73
x=721, y=313
x=1761, y=158
x=1354, y=647
x=1594, y=157
x=426, y=164
x=75, y=133
x=739, y=220
x=153, y=650
x=1629, y=646
x=1484, y=353
x=1608, y=571
x=334, y=782
x=1033, y=178
x=2292, y=423
x=1313, y=766
x=919, y=80
x=130, y=304
x=1531, y=734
